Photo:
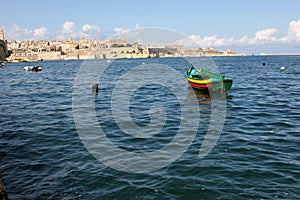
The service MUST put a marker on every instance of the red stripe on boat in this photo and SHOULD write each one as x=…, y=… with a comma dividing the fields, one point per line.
x=200, y=85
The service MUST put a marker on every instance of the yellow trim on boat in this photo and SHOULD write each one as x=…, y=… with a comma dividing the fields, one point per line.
x=200, y=81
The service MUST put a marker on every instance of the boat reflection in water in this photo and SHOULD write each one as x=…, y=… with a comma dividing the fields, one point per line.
x=204, y=97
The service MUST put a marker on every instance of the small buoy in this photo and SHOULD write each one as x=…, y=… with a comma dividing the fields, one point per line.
x=95, y=87
x=263, y=64
x=143, y=63
x=36, y=69
x=282, y=68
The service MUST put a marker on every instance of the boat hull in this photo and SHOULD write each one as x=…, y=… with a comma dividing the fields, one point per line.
x=218, y=85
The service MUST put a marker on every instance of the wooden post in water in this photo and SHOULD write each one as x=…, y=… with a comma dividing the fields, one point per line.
x=3, y=194
x=95, y=87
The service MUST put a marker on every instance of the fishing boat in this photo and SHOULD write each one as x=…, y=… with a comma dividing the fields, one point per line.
x=204, y=80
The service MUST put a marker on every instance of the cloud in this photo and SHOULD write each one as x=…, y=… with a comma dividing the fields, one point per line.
x=40, y=33
x=265, y=34
x=130, y=34
x=18, y=33
x=294, y=30
x=262, y=37
x=122, y=30
x=67, y=31
x=68, y=27
x=206, y=41
x=119, y=30
x=21, y=34
x=149, y=35
x=90, y=31
x=264, y=40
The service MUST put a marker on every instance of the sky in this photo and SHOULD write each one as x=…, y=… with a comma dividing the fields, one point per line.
x=256, y=26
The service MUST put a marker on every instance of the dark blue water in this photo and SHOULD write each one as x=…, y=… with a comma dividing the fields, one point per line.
x=257, y=155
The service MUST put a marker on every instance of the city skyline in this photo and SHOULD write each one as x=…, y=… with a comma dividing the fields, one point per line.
x=271, y=27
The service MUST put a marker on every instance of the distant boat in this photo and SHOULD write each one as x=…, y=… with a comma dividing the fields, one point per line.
x=204, y=80
x=33, y=68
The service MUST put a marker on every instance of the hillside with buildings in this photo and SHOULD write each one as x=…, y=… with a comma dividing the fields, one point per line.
x=35, y=50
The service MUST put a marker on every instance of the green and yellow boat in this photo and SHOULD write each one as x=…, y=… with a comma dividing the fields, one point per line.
x=204, y=80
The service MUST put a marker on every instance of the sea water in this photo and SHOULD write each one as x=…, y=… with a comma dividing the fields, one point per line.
x=255, y=156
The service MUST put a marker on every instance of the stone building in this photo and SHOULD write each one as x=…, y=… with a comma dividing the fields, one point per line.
x=117, y=42
x=3, y=46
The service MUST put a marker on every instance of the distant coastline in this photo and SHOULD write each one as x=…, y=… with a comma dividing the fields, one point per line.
x=114, y=48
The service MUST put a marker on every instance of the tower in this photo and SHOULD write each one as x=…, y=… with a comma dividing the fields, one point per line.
x=2, y=35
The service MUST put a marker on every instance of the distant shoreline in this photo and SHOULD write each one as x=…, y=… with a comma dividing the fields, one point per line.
x=25, y=60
